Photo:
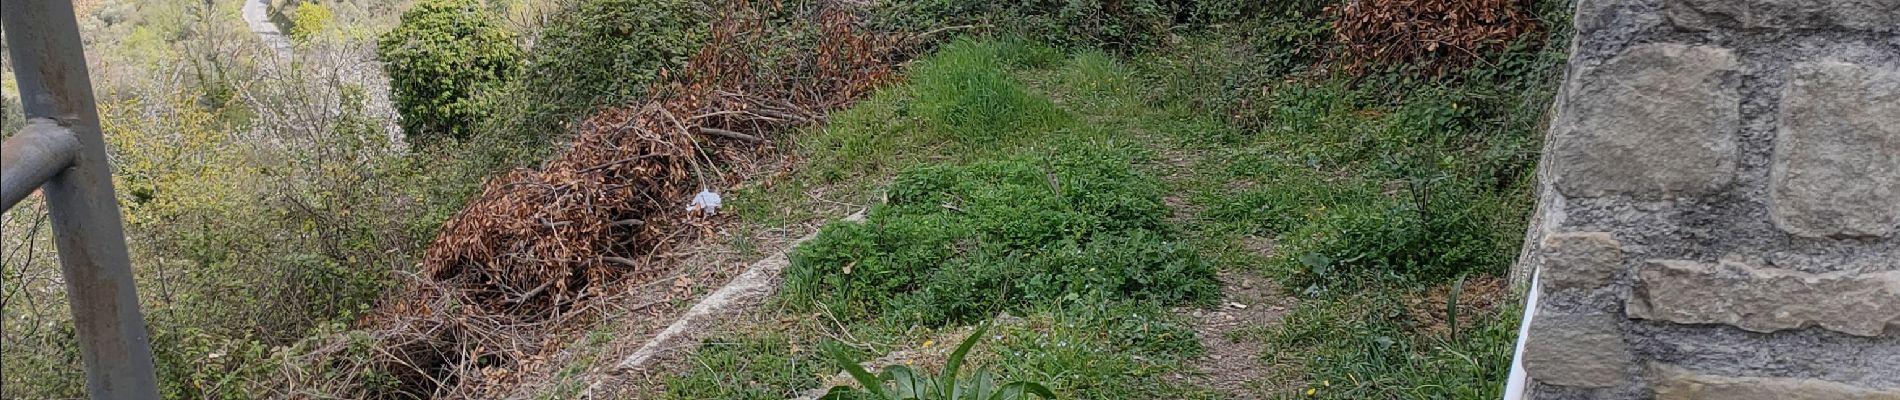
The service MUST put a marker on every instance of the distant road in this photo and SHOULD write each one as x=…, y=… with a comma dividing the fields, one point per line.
x=257, y=15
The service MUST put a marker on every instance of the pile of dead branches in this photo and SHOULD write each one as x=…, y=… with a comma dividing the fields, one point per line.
x=1435, y=36
x=536, y=240
x=522, y=257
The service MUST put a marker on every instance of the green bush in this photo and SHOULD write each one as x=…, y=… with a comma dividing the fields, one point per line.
x=597, y=52
x=958, y=243
x=311, y=18
x=442, y=55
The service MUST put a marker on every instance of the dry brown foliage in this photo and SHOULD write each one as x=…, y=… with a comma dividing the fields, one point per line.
x=535, y=239
x=516, y=265
x=1436, y=35
x=1478, y=301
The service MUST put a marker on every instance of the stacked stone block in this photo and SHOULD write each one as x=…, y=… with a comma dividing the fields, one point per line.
x=1720, y=206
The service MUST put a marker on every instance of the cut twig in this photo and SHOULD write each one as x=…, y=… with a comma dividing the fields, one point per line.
x=730, y=134
x=622, y=261
x=532, y=293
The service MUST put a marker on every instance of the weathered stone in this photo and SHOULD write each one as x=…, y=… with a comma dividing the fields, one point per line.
x=1765, y=299
x=1660, y=120
x=1580, y=261
x=1676, y=383
x=1579, y=350
x=1868, y=15
x=1837, y=157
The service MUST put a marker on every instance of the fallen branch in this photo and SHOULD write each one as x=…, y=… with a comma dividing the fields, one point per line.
x=730, y=134
x=531, y=293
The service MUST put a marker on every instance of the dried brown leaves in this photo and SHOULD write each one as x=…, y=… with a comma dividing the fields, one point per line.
x=535, y=239
x=1437, y=35
x=518, y=260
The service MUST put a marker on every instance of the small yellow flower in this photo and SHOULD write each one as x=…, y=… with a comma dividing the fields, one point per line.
x=927, y=343
x=1311, y=391
x=1328, y=383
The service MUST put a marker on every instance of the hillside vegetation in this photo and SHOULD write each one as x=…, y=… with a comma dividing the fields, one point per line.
x=484, y=199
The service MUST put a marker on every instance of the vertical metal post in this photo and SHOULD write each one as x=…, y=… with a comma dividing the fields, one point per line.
x=50, y=65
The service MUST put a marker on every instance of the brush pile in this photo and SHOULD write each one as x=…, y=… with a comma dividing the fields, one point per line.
x=523, y=257
x=536, y=240
x=1436, y=36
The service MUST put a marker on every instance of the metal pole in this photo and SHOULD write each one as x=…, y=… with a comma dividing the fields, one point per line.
x=50, y=65
x=33, y=156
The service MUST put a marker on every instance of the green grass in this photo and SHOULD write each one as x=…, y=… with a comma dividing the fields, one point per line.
x=990, y=196
x=763, y=366
x=1359, y=346
x=1372, y=189
x=957, y=243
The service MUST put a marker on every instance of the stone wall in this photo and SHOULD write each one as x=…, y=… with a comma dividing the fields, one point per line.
x=1720, y=206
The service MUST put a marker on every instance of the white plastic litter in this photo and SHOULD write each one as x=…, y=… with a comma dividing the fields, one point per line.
x=706, y=202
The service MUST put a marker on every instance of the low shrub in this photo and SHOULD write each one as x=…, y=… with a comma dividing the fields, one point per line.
x=595, y=53
x=1119, y=25
x=439, y=59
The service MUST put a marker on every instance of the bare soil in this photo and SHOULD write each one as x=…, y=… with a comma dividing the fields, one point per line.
x=1231, y=334
x=1251, y=304
x=1478, y=301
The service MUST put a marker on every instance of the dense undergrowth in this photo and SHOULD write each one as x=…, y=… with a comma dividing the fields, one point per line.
x=269, y=203
x=1028, y=210
x=1379, y=190
x=1061, y=217
x=1076, y=173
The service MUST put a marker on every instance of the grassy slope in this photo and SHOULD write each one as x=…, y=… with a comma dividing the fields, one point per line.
x=1379, y=193
x=984, y=104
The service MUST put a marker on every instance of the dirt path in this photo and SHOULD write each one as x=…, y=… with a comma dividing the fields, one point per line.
x=257, y=15
x=1233, y=332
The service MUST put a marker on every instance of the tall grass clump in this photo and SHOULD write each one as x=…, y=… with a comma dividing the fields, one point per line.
x=967, y=92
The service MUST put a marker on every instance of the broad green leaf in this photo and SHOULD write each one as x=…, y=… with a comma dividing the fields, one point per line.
x=1019, y=387
x=903, y=382
x=840, y=392
x=956, y=360
x=858, y=373
x=981, y=384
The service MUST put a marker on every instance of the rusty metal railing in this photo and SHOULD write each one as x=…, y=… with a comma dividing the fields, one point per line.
x=62, y=153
